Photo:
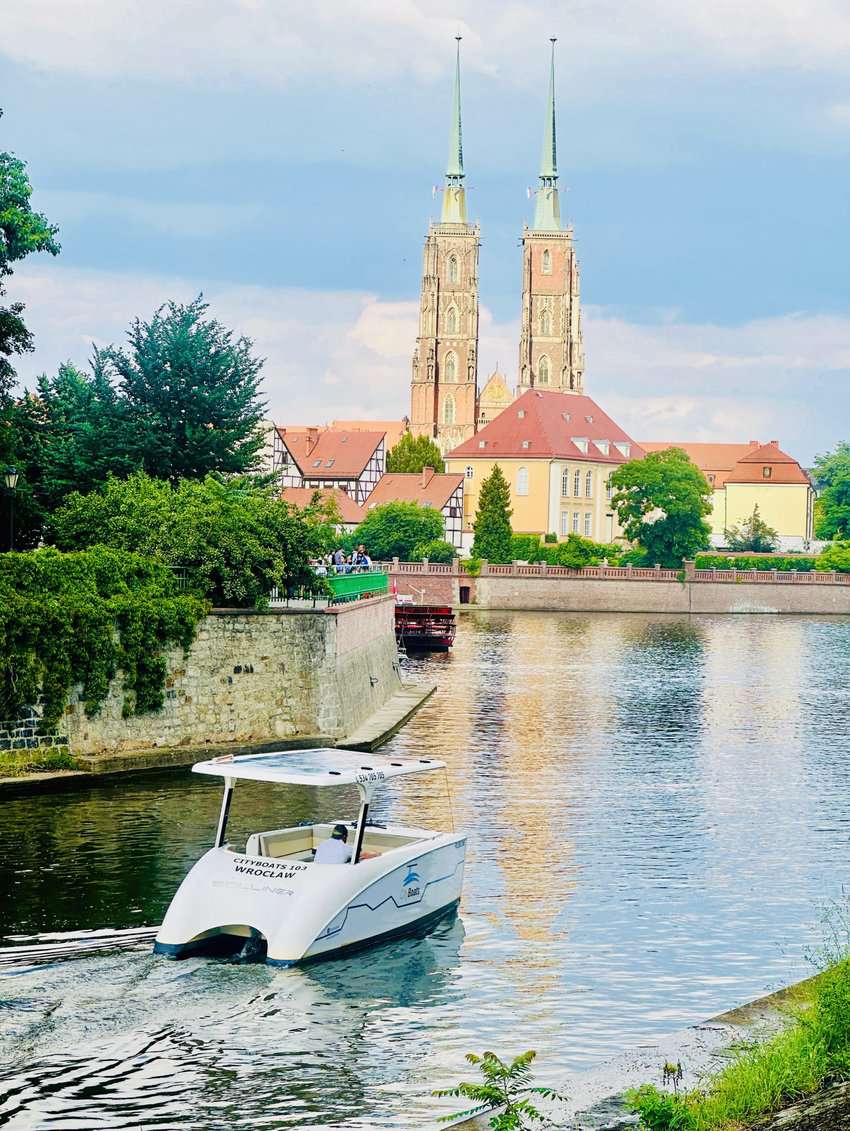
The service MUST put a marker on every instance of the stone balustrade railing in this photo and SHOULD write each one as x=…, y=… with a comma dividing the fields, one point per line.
x=620, y=573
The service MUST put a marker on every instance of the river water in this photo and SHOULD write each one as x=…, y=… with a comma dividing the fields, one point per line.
x=657, y=813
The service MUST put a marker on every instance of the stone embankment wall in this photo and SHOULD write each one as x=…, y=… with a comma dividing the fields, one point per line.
x=256, y=677
x=30, y=733
x=606, y=589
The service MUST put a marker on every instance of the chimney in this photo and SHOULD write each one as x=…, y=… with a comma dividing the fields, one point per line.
x=312, y=439
x=755, y=444
x=427, y=476
x=774, y=443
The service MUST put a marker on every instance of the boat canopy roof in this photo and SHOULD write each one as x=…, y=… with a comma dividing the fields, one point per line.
x=319, y=767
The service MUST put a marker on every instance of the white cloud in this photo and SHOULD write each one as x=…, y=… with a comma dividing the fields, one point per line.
x=275, y=44
x=347, y=354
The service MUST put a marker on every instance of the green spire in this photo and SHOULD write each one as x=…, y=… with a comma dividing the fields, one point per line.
x=547, y=213
x=454, y=195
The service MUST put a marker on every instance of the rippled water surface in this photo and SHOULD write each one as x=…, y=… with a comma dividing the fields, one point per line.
x=656, y=809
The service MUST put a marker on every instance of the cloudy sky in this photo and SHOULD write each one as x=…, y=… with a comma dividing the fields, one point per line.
x=279, y=157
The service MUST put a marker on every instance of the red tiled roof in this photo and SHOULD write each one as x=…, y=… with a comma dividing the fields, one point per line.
x=783, y=468
x=392, y=429
x=543, y=424
x=427, y=488
x=350, y=512
x=330, y=455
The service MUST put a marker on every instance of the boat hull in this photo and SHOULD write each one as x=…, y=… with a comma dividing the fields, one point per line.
x=304, y=912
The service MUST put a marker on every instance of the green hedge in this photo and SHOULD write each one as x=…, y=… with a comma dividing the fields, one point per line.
x=782, y=563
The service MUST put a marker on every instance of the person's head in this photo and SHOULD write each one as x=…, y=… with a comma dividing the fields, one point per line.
x=361, y=549
x=340, y=833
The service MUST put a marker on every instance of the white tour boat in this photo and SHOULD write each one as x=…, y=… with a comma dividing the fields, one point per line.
x=273, y=901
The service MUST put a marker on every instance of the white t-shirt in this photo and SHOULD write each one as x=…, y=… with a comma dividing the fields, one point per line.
x=332, y=851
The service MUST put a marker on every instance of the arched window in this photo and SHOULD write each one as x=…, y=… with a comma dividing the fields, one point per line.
x=577, y=483
x=543, y=371
x=588, y=485
x=449, y=410
x=454, y=270
x=547, y=262
x=451, y=367
x=565, y=483
x=545, y=323
x=451, y=320
x=522, y=481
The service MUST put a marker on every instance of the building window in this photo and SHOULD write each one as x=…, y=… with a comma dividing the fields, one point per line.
x=623, y=449
x=522, y=481
x=317, y=463
x=565, y=522
x=565, y=483
x=609, y=490
x=454, y=271
x=766, y=472
x=451, y=320
x=588, y=525
x=545, y=323
x=588, y=485
x=543, y=370
x=449, y=410
x=547, y=261
x=526, y=443
x=575, y=522
x=577, y=483
x=451, y=367
x=469, y=472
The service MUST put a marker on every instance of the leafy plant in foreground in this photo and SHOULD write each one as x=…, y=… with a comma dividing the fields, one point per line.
x=506, y=1087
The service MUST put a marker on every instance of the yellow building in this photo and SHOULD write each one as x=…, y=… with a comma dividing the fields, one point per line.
x=746, y=476
x=556, y=451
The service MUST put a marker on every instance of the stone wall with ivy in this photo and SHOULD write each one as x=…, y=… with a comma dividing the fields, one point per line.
x=253, y=677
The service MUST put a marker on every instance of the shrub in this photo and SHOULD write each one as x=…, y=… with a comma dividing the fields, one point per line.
x=835, y=557
x=437, y=551
x=784, y=563
x=526, y=548
x=551, y=537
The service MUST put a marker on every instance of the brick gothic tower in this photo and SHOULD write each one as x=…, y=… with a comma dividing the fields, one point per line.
x=444, y=382
x=551, y=354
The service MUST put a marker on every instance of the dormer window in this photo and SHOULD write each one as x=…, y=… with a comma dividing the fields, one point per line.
x=589, y=419
x=766, y=472
x=482, y=443
x=566, y=417
x=623, y=449
x=329, y=463
x=521, y=414
x=526, y=443
x=580, y=443
x=603, y=446
x=317, y=463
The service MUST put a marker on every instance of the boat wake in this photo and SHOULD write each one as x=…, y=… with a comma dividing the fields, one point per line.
x=29, y=950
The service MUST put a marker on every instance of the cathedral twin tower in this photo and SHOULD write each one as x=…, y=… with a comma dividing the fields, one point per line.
x=444, y=398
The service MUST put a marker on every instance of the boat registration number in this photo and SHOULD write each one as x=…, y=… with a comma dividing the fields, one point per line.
x=373, y=775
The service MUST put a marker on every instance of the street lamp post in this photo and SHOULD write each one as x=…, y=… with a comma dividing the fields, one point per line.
x=10, y=476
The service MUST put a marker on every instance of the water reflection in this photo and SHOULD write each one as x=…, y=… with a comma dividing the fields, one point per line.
x=655, y=810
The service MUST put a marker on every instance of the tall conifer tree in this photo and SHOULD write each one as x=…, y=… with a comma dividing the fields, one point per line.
x=492, y=526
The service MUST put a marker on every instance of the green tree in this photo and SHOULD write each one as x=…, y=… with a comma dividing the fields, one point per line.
x=192, y=393
x=412, y=453
x=832, y=511
x=661, y=502
x=832, y=466
x=504, y=1088
x=396, y=530
x=492, y=526
x=22, y=232
x=234, y=540
x=753, y=536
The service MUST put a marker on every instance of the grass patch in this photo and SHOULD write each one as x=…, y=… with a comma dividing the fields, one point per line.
x=813, y=1052
x=18, y=763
